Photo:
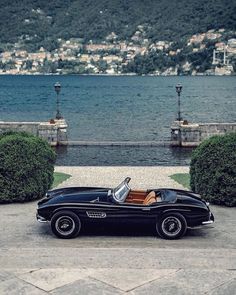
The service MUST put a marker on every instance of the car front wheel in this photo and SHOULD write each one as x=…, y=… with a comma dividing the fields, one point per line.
x=65, y=224
x=171, y=226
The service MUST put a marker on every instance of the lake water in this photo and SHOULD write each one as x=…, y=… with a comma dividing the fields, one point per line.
x=119, y=109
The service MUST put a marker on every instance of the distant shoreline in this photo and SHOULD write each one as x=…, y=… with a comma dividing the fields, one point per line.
x=114, y=75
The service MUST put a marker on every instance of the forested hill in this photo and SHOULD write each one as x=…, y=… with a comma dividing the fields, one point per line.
x=41, y=22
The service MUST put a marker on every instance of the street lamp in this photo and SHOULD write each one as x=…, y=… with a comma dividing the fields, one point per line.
x=178, y=90
x=57, y=88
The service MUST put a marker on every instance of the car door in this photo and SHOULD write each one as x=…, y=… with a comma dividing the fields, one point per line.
x=131, y=213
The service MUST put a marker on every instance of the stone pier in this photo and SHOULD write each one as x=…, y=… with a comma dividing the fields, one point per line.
x=187, y=134
x=54, y=131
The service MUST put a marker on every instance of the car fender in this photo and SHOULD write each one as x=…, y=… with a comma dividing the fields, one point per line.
x=173, y=210
x=74, y=210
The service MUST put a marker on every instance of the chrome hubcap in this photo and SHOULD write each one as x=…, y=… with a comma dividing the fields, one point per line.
x=65, y=225
x=171, y=226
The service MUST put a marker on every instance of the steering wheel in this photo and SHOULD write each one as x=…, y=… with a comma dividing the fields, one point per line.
x=127, y=180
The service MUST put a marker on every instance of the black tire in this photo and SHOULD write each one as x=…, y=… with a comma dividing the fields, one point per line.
x=65, y=224
x=171, y=226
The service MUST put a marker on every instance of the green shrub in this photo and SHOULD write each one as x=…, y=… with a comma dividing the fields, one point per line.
x=26, y=167
x=213, y=169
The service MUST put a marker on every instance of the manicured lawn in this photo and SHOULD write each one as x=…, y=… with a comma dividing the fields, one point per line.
x=59, y=178
x=182, y=178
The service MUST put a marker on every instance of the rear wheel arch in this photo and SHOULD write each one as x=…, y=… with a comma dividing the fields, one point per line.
x=174, y=211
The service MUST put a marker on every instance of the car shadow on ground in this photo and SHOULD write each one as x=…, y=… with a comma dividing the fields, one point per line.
x=122, y=230
x=118, y=230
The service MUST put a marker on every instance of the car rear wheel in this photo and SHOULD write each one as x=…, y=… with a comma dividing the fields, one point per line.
x=171, y=226
x=65, y=224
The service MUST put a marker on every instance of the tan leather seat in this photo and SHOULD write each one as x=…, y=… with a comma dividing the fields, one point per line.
x=150, y=198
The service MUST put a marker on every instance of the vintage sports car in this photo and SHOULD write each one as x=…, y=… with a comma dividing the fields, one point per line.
x=172, y=211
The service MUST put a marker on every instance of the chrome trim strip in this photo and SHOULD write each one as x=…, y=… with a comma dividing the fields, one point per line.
x=186, y=210
x=117, y=206
x=207, y=222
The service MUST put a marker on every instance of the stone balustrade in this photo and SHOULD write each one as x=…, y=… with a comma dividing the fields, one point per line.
x=187, y=134
x=54, y=131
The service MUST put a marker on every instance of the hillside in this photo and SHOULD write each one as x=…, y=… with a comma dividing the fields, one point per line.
x=158, y=37
x=36, y=23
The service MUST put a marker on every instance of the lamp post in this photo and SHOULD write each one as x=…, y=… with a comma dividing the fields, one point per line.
x=178, y=88
x=57, y=88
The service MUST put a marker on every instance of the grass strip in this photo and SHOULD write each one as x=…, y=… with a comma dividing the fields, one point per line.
x=182, y=178
x=59, y=177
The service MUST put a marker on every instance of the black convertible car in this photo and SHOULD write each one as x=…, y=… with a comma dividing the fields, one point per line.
x=171, y=210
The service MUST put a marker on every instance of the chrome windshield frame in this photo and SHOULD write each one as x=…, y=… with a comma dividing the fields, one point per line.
x=121, y=192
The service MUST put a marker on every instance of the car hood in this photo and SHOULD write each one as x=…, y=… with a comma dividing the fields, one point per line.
x=75, y=194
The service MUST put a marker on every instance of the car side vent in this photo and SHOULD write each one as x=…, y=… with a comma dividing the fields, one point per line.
x=92, y=214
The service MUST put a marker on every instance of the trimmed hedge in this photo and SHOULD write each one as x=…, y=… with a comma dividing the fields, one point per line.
x=213, y=170
x=26, y=167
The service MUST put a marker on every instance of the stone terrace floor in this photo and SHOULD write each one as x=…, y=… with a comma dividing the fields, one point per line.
x=33, y=261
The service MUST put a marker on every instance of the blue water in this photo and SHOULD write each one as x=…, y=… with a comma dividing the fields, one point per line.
x=118, y=108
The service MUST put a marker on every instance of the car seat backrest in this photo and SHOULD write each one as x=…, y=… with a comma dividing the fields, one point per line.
x=150, y=198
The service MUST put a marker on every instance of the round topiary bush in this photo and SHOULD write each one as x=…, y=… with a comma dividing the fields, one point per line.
x=26, y=167
x=213, y=169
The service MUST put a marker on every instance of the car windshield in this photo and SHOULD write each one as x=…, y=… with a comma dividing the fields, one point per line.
x=121, y=192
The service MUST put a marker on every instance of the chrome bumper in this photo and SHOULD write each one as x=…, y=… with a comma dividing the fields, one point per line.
x=204, y=223
x=207, y=222
x=210, y=221
x=41, y=219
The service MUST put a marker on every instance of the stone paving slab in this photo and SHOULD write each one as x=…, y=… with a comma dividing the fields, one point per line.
x=189, y=282
x=49, y=279
x=87, y=287
x=19, y=287
x=5, y=275
x=126, y=279
x=228, y=288
x=122, y=281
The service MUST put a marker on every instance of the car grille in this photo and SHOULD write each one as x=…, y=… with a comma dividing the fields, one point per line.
x=96, y=214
